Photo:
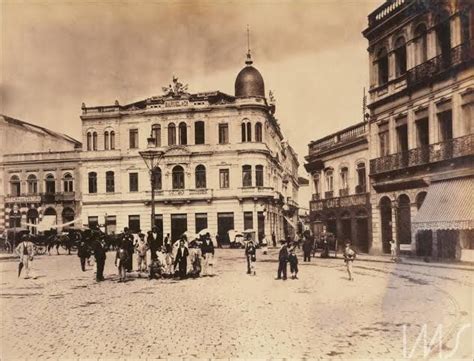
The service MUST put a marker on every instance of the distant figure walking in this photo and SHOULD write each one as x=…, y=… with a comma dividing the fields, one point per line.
x=393, y=249
x=100, y=256
x=84, y=253
x=349, y=256
x=293, y=260
x=141, y=247
x=307, y=247
x=181, y=261
x=282, y=261
x=251, y=255
x=207, y=249
x=26, y=251
x=121, y=260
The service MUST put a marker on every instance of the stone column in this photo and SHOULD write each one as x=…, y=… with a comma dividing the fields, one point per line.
x=395, y=221
x=376, y=246
x=411, y=129
x=458, y=127
x=433, y=123
x=413, y=212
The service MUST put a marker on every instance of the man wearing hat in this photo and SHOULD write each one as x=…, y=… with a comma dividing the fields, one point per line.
x=349, y=256
x=282, y=260
x=25, y=250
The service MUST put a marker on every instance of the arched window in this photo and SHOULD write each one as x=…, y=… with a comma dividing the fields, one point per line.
x=259, y=176
x=329, y=180
x=258, y=132
x=317, y=183
x=183, y=134
x=249, y=132
x=94, y=141
x=246, y=176
x=68, y=183
x=244, y=132
x=106, y=140
x=178, y=177
x=92, y=182
x=157, y=183
x=89, y=141
x=382, y=66
x=344, y=178
x=420, y=44
x=32, y=184
x=112, y=140
x=200, y=176
x=50, y=183
x=110, y=182
x=199, y=133
x=400, y=56
x=156, y=133
x=171, y=134
x=361, y=178
x=443, y=36
x=15, y=186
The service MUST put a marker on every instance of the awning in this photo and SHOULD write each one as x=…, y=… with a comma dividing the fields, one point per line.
x=448, y=205
x=290, y=222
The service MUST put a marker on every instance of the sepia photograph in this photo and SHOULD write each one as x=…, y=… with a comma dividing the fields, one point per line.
x=236, y=179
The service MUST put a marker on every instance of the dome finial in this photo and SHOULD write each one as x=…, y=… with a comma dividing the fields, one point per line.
x=249, y=60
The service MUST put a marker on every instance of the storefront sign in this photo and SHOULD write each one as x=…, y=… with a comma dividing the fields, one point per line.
x=176, y=103
x=23, y=199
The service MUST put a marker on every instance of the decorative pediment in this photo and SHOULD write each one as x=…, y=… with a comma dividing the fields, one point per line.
x=177, y=154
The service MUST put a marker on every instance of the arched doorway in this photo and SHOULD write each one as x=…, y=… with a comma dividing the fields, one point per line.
x=68, y=216
x=362, y=231
x=49, y=217
x=404, y=220
x=346, y=227
x=331, y=225
x=32, y=218
x=386, y=223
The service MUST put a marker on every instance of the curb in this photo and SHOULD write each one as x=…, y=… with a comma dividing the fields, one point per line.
x=463, y=267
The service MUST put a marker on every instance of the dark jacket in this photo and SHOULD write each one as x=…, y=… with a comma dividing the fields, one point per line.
x=99, y=251
x=181, y=257
x=207, y=247
x=283, y=255
x=307, y=245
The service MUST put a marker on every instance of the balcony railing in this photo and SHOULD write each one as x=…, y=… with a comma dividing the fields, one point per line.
x=360, y=188
x=453, y=148
x=425, y=71
x=386, y=9
x=48, y=197
x=65, y=197
x=338, y=138
x=343, y=192
x=328, y=194
x=340, y=202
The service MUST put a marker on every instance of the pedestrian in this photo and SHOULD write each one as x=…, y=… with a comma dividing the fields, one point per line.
x=264, y=245
x=100, y=256
x=155, y=269
x=282, y=261
x=181, y=261
x=307, y=247
x=141, y=247
x=25, y=251
x=207, y=249
x=168, y=245
x=152, y=244
x=251, y=255
x=349, y=256
x=274, y=242
x=121, y=260
x=218, y=241
x=127, y=241
x=393, y=249
x=195, y=257
x=293, y=260
x=84, y=253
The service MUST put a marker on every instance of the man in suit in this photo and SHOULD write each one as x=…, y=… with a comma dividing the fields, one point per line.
x=26, y=250
x=282, y=260
x=127, y=242
x=100, y=256
x=207, y=249
x=307, y=246
x=182, y=259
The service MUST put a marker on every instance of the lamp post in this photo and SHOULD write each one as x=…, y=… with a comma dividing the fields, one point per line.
x=152, y=157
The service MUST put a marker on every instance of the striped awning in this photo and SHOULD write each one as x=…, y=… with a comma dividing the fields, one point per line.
x=448, y=205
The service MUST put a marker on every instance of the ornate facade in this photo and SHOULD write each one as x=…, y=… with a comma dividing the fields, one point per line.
x=340, y=196
x=225, y=164
x=39, y=175
x=421, y=108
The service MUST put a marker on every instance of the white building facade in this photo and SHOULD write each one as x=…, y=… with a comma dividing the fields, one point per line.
x=225, y=164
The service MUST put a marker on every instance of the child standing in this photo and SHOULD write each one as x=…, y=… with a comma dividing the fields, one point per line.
x=121, y=260
x=349, y=256
x=141, y=247
x=293, y=260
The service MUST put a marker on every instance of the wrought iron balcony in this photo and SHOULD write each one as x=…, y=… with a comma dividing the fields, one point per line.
x=388, y=8
x=361, y=188
x=328, y=194
x=65, y=197
x=427, y=70
x=340, y=202
x=343, y=192
x=453, y=148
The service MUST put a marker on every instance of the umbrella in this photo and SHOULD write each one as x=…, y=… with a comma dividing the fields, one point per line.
x=203, y=232
x=20, y=267
x=190, y=236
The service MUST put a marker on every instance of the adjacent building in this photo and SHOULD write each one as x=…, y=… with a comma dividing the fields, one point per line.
x=39, y=175
x=340, y=201
x=225, y=166
x=421, y=112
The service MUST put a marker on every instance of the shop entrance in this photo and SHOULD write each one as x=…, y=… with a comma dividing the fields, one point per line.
x=179, y=225
x=225, y=222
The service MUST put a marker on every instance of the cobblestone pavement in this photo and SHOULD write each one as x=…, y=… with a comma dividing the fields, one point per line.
x=65, y=314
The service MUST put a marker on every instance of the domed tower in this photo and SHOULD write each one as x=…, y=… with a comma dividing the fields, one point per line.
x=249, y=82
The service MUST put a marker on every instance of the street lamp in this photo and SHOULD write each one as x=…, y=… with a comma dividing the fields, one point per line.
x=152, y=157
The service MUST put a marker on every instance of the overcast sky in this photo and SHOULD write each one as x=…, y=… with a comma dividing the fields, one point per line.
x=58, y=54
